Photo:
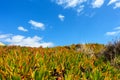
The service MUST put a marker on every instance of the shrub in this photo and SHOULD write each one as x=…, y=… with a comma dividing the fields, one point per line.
x=112, y=52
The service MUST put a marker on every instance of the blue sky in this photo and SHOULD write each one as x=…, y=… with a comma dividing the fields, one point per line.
x=58, y=22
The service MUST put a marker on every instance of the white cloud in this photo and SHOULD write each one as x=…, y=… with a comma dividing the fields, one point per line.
x=36, y=24
x=97, y=3
x=22, y=29
x=76, y=4
x=4, y=35
x=80, y=5
x=112, y=33
x=15, y=39
x=70, y=3
x=111, y=2
x=115, y=2
x=117, y=5
x=80, y=9
x=61, y=17
x=20, y=40
x=117, y=28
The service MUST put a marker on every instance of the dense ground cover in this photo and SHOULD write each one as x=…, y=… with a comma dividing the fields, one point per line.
x=75, y=62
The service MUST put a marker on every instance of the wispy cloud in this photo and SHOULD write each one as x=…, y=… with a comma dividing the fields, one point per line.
x=115, y=2
x=117, y=5
x=117, y=28
x=76, y=4
x=70, y=3
x=97, y=3
x=80, y=5
x=111, y=2
x=80, y=9
x=22, y=29
x=36, y=24
x=21, y=40
x=4, y=35
x=61, y=17
x=114, y=33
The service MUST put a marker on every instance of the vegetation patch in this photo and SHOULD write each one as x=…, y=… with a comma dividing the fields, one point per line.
x=75, y=62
